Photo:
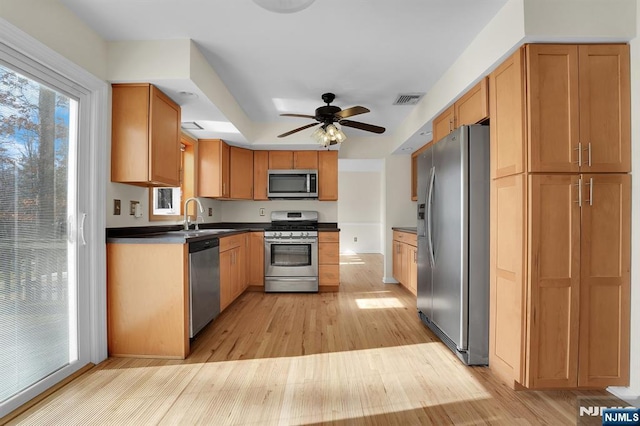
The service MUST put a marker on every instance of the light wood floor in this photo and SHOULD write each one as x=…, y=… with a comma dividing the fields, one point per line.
x=360, y=356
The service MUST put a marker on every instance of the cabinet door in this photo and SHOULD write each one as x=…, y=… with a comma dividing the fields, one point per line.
x=507, y=282
x=412, y=273
x=554, y=274
x=260, y=167
x=164, y=137
x=605, y=281
x=280, y=160
x=507, y=109
x=306, y=160
x=605, y=120
x=553, y=108
x=473, y=106
x=213, y=168
x=241, y=173
x=226, y=278
x=397, y=261
x=256, y=259
x=443, y=124
x=328, y=175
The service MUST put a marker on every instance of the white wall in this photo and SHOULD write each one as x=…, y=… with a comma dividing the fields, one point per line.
x=359, y=206
x=58, y=28
x=249, y=211
x=399, y=209
x=633, y=391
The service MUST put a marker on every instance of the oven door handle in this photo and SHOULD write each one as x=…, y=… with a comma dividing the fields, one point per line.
x=297, y=279
x=291, y=241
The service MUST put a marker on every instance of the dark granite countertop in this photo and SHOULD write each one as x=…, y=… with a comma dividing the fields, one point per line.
x=405, y=229
x=173, y=234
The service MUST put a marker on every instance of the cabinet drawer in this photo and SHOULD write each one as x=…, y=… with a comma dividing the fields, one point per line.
x=328, y=254
x=227, y=243
x=329, y=275
x=328, y=237
x=405, y=237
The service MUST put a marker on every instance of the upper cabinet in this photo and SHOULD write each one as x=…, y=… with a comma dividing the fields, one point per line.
x=575, y=101
x=471, y=108
x=224, y=171
x=285, y=160
x=241, y=173
x=579, y=110
x=260, y=168
x=213, y=168
x=328, y=175
x=145, y=132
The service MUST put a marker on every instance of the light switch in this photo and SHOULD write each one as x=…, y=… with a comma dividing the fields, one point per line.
x=116, y=207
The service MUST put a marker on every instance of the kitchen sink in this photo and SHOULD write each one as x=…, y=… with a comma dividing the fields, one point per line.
x=198, y=232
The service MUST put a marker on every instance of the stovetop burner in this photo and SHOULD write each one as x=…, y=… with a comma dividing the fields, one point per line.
x=294, y=221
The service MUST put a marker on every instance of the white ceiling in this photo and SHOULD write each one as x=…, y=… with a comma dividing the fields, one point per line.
x=365, y=51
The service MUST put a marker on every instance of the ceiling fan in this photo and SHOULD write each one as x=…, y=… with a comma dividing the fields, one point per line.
x=329, y=114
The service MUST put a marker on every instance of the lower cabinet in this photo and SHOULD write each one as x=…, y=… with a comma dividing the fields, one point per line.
x=328, y=261
x=255, y=261
x=233, y=268
x=565, y=323
x=148, y=300
x=405, y=260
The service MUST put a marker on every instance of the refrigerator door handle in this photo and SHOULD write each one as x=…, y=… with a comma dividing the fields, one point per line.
x=430, y=216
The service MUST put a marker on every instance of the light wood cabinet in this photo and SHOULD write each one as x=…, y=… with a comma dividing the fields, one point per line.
x=213, y=168
x=471, y=108
x=560, y=251
x=224, y=171
x=414, y=170
x=233, y=268
x=280, y=160
x=444, y=123
x=306, y=160
x=145, y=136
x=328, y=260
x=255, y=265
x=148, y=300
x=240, y=173
x=405, y=260
x=579, y=114
x=328, y=175
x=260, y=175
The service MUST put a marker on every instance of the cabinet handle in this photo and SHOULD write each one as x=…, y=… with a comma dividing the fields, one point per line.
x=579, y=185
x=579, y=149
x=590, y=200
x=223, y=189
x=415, y=256
x=589, y=154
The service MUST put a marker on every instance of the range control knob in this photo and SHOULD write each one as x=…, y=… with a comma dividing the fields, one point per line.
x=290, y=234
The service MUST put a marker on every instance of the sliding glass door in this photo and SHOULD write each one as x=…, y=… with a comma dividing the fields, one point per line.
x=40, y=233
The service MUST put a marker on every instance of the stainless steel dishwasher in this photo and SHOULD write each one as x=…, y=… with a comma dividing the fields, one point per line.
x=204, y=283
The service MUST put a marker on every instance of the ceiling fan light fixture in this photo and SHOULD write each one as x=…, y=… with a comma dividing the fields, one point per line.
x=284, y=6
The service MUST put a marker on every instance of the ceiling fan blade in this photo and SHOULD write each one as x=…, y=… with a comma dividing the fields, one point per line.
x=350, y=112
x=297, y=130
x=362, y=126
x=298, y=115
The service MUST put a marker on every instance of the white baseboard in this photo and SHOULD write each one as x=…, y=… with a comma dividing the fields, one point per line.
x=389, y=280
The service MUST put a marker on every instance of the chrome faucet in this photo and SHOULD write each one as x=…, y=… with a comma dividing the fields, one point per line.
x=186, y=215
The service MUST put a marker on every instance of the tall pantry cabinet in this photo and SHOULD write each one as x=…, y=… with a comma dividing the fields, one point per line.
x=560, y=217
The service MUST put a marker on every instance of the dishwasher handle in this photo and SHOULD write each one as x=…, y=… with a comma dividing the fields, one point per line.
x=197, y=246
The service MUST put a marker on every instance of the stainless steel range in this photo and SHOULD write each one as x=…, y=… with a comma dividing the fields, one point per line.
x=291, y=252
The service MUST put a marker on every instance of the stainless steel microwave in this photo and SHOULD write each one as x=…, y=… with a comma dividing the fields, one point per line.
x=292, y=184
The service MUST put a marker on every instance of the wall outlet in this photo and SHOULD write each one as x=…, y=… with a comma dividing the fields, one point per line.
x=132, y=207
x=116, y=207
x=210, y=211
x=355, y=239
x=261, y=211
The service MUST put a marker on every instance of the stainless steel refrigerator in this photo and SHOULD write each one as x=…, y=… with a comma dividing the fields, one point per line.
x=453, y=241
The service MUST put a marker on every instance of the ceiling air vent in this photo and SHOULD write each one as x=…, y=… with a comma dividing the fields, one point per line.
x=191, y=125
x=408, y=98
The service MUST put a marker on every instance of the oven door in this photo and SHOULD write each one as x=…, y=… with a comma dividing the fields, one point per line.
x=291, y=258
